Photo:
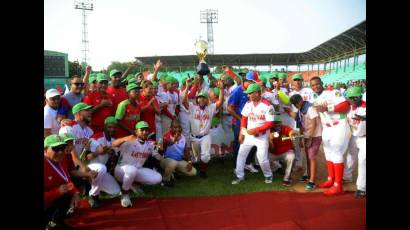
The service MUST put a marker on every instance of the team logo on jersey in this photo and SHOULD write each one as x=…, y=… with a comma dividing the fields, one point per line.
x=270, y=112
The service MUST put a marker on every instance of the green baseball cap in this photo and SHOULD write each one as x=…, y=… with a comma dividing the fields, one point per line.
x=131, y=86
x=155, y=84
x=53, y=140
x=245, y=71
x=114, y=71
x=355, y=91
x=129, y=77
x=80, y=107
x=252, y=88
x=133, y=81
x=163, y=76
x=277, y=118
x=67, y=137
x=169, y=79
x=102, y=77
x=202, y=94
x=92, y=77
x=297, y=76
x=273, y=75
x=226, y=77
x=110, y=120
x=282, y=75
x=216, y=91
x=141, y=125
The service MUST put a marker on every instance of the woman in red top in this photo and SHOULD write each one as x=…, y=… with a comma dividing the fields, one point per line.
x=59, y=191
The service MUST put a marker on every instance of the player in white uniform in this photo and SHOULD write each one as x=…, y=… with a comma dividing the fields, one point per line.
x=257, y=119
x=201, y=115
x=162, y=100
x=101, y=151
x=184, y=115
x=357, y=144
x=171, y=98
x=134, y=151
x=332, y=108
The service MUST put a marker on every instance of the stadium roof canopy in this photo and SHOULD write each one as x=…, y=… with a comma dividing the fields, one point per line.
x=347, y=44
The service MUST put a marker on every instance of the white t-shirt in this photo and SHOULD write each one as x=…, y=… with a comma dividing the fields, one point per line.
x=97, y=141
x=50, y=119
x=81, y=135
x=257, y=116
x=200, y=119
x=136, y=153
x=358, y=127
x=311, y=114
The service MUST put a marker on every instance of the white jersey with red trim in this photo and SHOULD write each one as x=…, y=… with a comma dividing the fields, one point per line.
x=99, y=140
x=330, y=98
x=258, y=115
x=82, y=135
x=200, y=119
x=227, y=94
x=270, y=97
x=357, y=126
x=136, y=152
x=306, y=93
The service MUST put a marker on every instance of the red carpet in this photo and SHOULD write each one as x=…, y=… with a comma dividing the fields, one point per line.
x=262, y=210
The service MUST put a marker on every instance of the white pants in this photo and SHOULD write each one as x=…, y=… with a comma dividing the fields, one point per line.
x=289, y=158
x=261, y=155
x=184, y=121
x=356, y=151
x=205, y=145
x=127, y=174
x=335, y=141
x=103, y=182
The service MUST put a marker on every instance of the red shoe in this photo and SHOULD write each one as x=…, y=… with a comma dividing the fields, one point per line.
x=327, y=184
x=336, y=189
x=331, y=177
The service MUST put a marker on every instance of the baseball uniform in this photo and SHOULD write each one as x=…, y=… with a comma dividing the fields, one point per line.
x=133, y=155
x=128, y=114
x=104, y=180
x=82, y=135
x=257, y=116
x=357, y=146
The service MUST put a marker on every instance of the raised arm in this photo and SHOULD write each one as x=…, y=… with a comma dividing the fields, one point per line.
x=156, y=69
x=130, y=67
x=220, y=101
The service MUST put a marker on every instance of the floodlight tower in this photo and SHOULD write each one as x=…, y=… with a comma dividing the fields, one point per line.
x=84, y=5
x=209, y=16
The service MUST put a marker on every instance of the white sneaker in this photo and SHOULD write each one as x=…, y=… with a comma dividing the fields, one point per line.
x=125, y=201
x=237, y=180
x=250, y=168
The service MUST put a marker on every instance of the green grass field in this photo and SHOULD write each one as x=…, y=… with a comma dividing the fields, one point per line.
x=220, y=175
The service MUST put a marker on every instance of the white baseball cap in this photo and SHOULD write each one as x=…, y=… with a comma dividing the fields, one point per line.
x=52, y=93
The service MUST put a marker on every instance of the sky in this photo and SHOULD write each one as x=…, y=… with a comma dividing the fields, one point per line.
x=119, y=30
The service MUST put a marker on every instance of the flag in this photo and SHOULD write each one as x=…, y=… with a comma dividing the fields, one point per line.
x=59, y=89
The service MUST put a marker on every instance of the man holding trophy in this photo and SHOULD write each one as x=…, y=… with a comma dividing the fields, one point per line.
x=201, y=113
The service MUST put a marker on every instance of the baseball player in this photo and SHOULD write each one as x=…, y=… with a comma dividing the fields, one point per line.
x=128, y=112
x=135, y=149
x=183, y=115
x=357, y=144
x=201, y=115
x=161, y=98
x=100, y=152
x=332, y=108
x=168, y=113
x=256, y=121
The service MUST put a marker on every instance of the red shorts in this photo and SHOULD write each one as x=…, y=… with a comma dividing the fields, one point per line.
x=313, y=149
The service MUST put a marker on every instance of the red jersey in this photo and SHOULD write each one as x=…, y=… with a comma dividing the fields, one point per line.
x=129, y=115
x=98, y=117
x=282, y=146
x=119, y=95
x=149, y=114
x=53, y=179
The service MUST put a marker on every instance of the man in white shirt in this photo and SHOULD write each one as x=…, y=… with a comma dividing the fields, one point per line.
x=51, y=125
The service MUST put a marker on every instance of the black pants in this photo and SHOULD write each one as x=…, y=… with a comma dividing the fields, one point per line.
x=58, y=210
x=236, y=129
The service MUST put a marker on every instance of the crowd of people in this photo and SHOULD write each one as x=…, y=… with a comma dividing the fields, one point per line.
x=114, y=133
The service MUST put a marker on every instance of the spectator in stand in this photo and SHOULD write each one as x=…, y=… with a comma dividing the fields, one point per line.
x=59, y=191
x=102, y=103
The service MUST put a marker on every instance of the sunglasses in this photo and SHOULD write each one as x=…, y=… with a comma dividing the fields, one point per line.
x=78, y=84
x=58, y=148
